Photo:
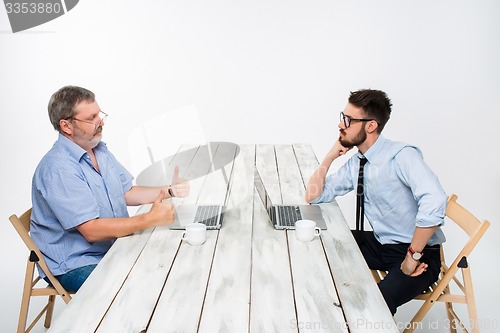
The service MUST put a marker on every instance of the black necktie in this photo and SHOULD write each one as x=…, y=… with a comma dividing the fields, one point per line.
x=360, y=196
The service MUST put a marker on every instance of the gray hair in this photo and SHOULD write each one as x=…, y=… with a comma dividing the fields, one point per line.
x=63, y=102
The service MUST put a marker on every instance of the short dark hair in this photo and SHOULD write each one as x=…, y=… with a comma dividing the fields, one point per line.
x=62, y=103
x=374, y=103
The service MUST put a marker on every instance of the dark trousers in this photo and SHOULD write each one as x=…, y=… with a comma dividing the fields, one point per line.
x=398, y=288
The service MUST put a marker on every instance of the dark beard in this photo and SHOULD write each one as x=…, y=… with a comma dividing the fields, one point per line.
x=358, y=139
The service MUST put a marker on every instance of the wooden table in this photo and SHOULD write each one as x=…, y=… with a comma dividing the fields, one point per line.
x=246, y=277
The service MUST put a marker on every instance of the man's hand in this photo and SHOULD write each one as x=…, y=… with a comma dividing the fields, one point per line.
x=180, y=187
x=413, y=267
x=421, y=237
x=161, y=212
x=317, y=180
x=337, y=150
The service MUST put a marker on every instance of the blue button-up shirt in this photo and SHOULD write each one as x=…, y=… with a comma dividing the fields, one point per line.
x=66, y=192
x=401, y=191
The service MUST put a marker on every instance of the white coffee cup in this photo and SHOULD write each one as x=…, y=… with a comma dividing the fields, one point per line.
x=195, y=233
x=306, y=230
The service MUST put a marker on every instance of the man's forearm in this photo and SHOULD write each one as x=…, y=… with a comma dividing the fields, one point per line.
x=414, y=267
x=110, y=228
x=421, y=237
x=317, y=180
x=140, y=195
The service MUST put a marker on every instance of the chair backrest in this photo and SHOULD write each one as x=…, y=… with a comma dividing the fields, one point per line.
x=22, y=226
x=474, y=228
x=441, y=291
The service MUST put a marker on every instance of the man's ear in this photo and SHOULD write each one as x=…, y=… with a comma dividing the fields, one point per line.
x=372, y=126
x=66, y=126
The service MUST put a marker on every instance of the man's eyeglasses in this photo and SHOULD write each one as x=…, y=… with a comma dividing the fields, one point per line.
x=346, y=120
x=102, y=116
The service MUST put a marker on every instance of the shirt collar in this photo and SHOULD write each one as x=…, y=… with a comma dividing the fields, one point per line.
x=73, y=149
x=373, y=150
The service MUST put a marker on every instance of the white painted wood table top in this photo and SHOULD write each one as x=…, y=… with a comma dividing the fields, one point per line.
x=247, y=276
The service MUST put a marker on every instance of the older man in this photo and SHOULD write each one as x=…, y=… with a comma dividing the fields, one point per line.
x=80, y=192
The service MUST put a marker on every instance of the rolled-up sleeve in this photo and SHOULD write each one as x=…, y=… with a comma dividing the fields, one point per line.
x=427, y=190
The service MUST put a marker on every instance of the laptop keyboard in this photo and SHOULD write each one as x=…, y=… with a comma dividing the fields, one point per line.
x=207, y=215
x=289, y=215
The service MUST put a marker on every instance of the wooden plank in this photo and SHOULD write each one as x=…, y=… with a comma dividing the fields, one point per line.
x=180, y=304
x=133, y=306
x=364, y=307
x=227, y=302
x=317, y=303
x=290, y=180
x=306, y=160
x=272, y=305
x=265, y=163
x=318, y=306
x=102, y=286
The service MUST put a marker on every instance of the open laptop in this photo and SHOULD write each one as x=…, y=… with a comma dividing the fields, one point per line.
x=210, y=215
x=283, y=216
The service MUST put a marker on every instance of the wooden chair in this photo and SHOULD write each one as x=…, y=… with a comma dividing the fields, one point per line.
x=441, y=291
x=31, y=284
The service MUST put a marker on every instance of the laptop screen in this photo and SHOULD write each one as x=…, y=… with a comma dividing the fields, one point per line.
x=259, y=185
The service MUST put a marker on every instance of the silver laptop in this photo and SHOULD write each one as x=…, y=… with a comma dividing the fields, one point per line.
x=283, y=216
x=210, y=215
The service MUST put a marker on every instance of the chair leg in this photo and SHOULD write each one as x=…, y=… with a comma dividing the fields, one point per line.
x=452, y=321
x=25, y=301
x=419, y=316
x=449, y=311
x=469, y=299
x=50, y=311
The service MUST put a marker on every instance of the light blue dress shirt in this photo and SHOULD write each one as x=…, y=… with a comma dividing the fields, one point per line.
x=401, y=191
x=66, y=192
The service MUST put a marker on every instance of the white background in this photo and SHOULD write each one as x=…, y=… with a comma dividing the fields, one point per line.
x=246, y=65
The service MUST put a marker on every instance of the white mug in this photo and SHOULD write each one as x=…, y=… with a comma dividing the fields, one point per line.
x=306, y=230
x=195, y=233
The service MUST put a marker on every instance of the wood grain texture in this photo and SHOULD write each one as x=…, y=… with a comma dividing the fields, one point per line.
x=247, y=276
x=227, y=301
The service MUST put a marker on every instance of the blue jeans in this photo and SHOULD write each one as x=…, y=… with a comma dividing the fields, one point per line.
x=73, y=280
